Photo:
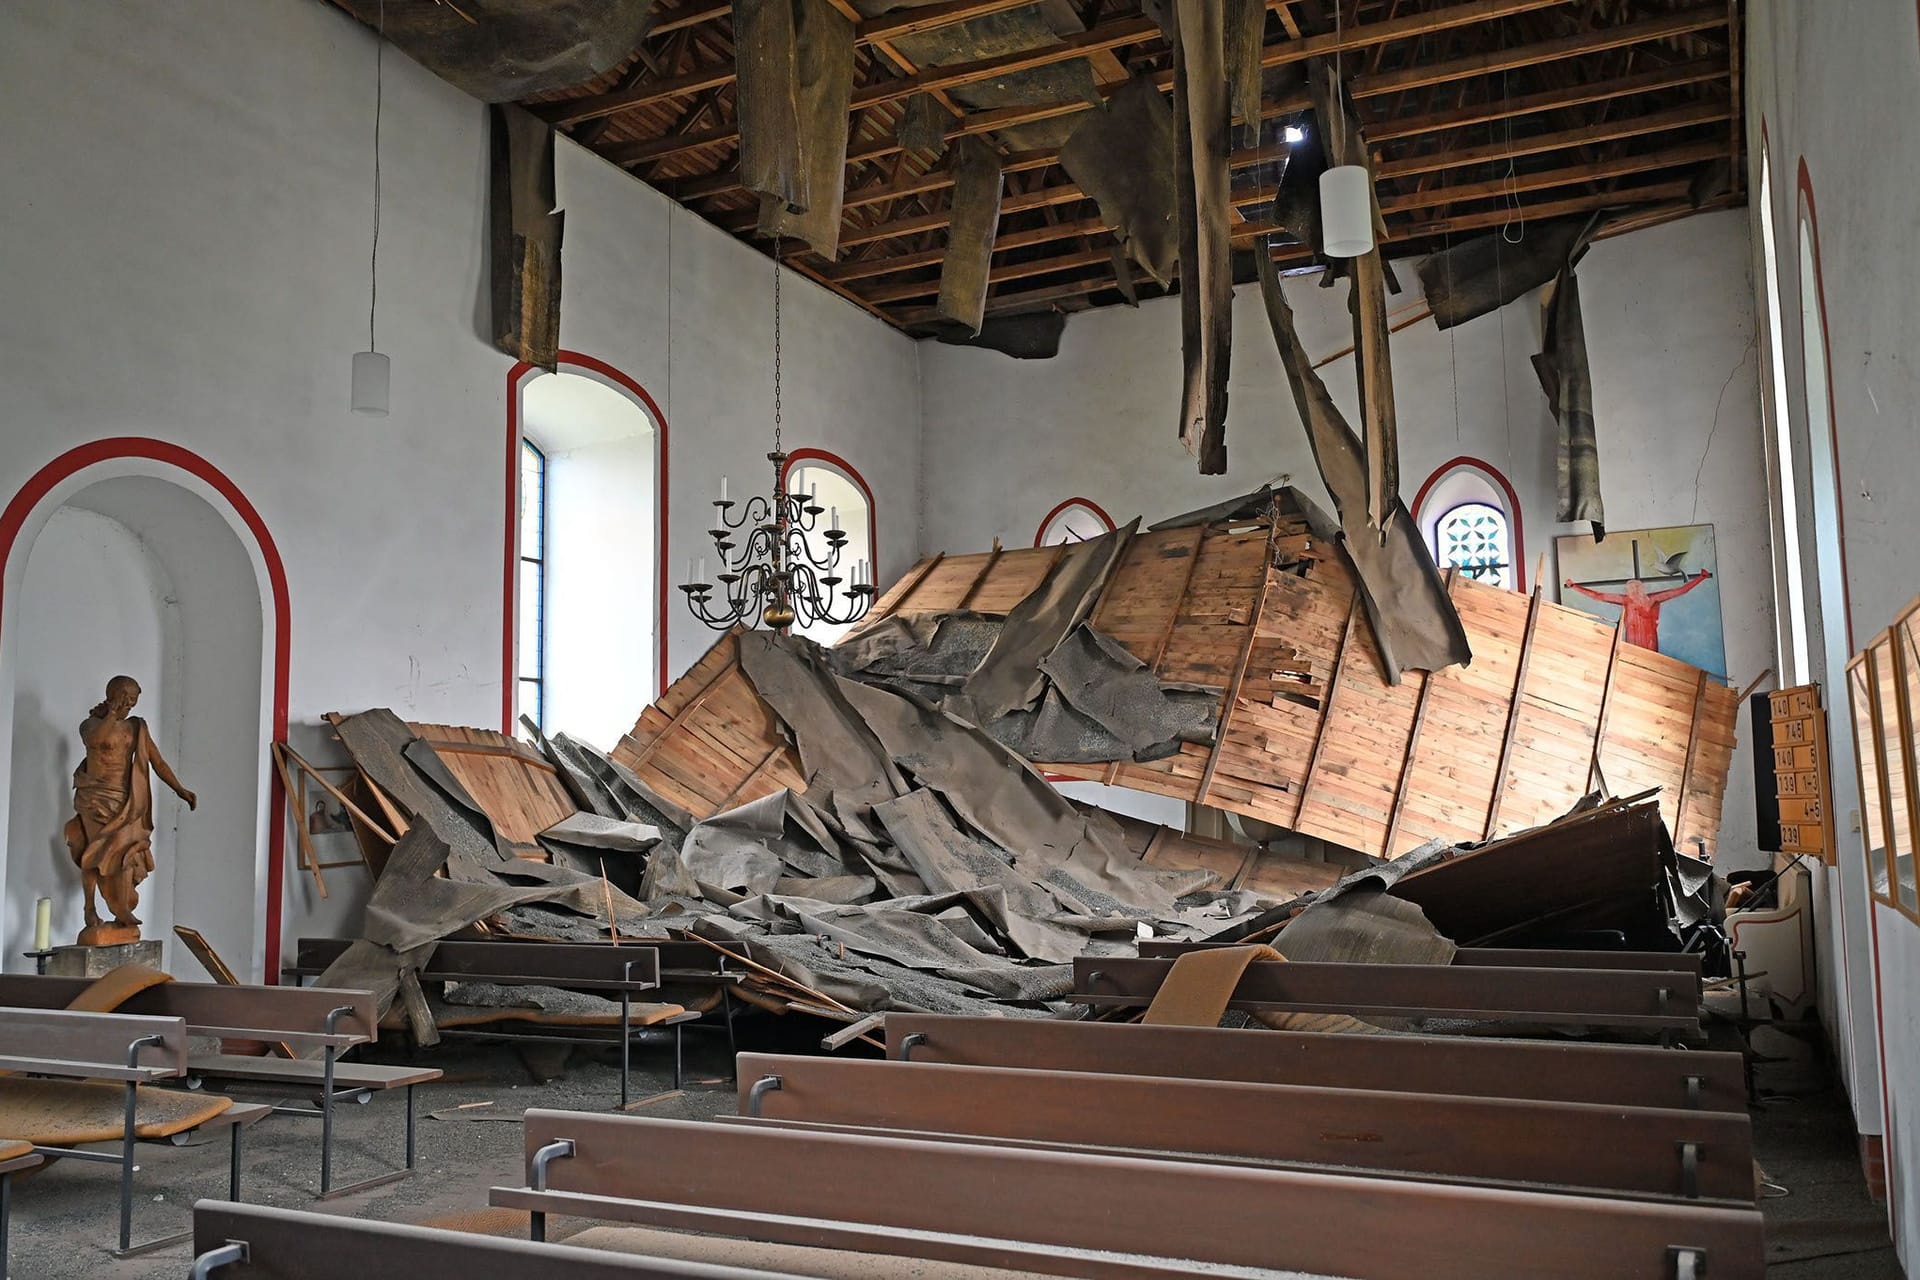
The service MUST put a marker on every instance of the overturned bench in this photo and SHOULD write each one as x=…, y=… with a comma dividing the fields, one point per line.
x=86, y=1078
x=1573, y=1146
x=1543, y=1070
x=1098, y=1214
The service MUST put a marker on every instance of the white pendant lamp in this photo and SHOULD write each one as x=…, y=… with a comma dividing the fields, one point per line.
x=1346, y=191
x=1346, y=211
x=372, y=371
x=371, y=374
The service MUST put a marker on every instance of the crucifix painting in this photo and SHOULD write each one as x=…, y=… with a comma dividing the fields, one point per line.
x=1659, y=584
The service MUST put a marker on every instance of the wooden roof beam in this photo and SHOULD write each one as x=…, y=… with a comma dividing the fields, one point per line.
x=1358, y=36
x=1068, y=192
x=1507, y=148
x=873, y=31
x=1041, y=299
x=1571, y=175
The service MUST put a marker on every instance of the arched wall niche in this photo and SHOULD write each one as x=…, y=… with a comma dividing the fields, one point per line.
x=136, y=556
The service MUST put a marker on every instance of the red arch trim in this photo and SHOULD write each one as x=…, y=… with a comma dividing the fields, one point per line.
x=1088, y=503
x=1513, y=507
x=76, y=460
x=511, y=529
x=852, y=473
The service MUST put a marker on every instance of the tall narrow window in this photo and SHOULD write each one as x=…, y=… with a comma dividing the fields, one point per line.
x=532, y=638
x=1795, y=664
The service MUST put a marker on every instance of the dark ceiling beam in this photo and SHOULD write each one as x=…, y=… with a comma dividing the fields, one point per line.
x=1068, y=192
x=1658, y=194
x=1520, y=183
x=1357, y=36
x=873, y=31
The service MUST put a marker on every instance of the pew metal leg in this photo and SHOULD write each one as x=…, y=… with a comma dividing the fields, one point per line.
x=558, y=1149
x=6, y=1213
x=410, y=1128
x=326, y=1124
x=213, y=1259
x=626, y=1046
x=679, y=1069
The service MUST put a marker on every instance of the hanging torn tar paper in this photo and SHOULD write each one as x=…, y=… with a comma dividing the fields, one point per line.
x=795, y=86
x=1123, y=155
x=1414, y=621
x=523, y=242
x=1203, y=125
x=1562, y=366
x=966, y=270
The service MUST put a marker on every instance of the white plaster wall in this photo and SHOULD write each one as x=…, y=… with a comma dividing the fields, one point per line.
x=1828, y=94
x=1669, y=321
x=188, y=204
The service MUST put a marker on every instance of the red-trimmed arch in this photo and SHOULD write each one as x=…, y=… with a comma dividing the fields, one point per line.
x=516, y=379
x=852, y=473
x=1088, y=503
x=78, y=459
x=1493, y=473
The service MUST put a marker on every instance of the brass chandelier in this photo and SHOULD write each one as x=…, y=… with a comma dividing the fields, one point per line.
x=771, y=571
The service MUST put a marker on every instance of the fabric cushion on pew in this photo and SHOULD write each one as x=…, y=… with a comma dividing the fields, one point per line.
x=114, y=988
x=1200, y=985
x=70, y=1112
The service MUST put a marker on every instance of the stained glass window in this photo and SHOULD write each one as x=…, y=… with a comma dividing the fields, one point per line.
x=1475, y=537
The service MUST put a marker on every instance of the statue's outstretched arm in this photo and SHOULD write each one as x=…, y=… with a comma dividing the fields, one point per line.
x=165, y=770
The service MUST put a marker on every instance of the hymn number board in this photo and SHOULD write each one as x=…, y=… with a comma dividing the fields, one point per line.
x=1800, y=771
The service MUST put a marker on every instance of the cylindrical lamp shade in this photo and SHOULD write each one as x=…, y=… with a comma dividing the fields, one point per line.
x=371, y=371
x=1346, y=211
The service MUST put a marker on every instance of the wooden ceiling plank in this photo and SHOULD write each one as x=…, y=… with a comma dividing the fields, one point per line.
x=1523, y=145
x=1360, y=36
x=880, y=32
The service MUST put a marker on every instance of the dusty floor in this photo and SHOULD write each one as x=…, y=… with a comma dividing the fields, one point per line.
x=1824, y=1228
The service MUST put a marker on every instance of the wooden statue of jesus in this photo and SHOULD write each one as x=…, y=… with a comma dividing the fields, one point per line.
x=111, y=833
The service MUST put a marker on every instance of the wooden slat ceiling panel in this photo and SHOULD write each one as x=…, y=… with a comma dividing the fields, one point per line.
x=1479, y=113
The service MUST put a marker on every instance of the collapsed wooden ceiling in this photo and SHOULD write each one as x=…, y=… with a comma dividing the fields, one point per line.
x=1480, y=113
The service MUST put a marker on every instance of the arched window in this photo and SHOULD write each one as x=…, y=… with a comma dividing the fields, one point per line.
x=587, y=500
x=1474, y=537
x=1075, y=520
x=1470, y=518
x=835, y=484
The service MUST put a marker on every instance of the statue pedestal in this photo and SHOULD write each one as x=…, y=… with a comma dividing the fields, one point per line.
x=94, y=962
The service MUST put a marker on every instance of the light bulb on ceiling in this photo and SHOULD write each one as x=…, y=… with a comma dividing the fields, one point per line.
x=1294, y=134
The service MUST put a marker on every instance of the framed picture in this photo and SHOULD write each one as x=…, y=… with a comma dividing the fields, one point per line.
x=1659, y=584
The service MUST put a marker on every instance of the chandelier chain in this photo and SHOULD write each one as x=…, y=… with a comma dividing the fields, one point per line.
x=776, y=344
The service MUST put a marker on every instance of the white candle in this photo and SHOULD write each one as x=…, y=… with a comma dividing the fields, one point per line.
x=835, y=522
x=690, y=577
x=43, y=924
x=723, y=488
x=813, y=494
x=703, y=570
